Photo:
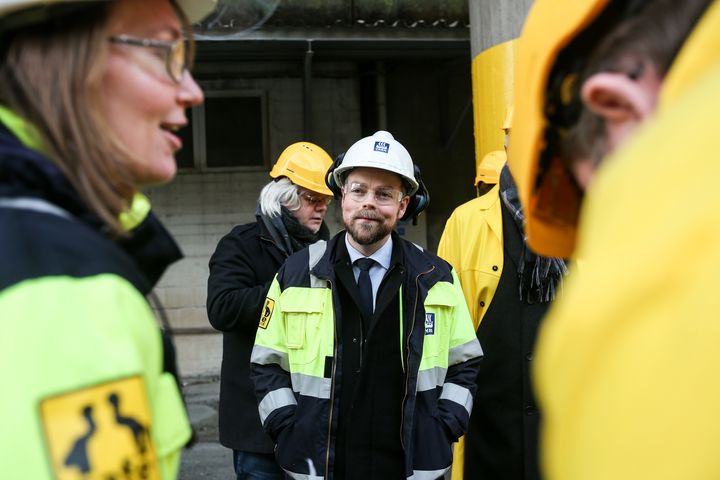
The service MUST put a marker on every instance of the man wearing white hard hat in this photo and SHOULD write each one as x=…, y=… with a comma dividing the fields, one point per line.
x=365, y=359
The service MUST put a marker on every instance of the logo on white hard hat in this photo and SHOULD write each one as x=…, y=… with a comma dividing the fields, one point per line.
x=382, y=147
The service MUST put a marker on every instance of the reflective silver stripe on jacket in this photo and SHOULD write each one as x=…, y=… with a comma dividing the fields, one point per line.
x=34, y=204
x=428, y=474
x=279, y=398
x=460, y=395
x=316, y=251
x=267, y=356
x=430, y=378
x=466, y=351
x=311, y=386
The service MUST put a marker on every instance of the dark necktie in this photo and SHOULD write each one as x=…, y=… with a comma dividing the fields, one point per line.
x=365, y=286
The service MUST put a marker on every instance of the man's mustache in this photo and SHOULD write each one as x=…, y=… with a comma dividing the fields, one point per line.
x=368, y=214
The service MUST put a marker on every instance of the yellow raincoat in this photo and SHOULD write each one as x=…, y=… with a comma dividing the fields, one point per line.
x=472, y=243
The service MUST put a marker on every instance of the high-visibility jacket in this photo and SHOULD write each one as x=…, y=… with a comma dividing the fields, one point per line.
x=85, y=394
x=627, y=362
x=297, y=361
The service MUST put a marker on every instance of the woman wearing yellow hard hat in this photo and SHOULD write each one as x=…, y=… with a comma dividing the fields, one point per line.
x=614, y=149
x=91, y=97
x=290, y=216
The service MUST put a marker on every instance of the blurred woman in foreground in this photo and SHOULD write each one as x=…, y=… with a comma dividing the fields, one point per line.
x=91, y=97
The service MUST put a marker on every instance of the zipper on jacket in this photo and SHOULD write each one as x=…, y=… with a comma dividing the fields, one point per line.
x=407, y=361
x=332, y=388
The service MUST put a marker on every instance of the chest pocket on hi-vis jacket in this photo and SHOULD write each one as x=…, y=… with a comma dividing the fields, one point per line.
x=439, y=305
x=302, y=310
x=102, y=431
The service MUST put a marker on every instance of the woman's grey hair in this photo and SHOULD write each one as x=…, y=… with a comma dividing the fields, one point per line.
x=279, y=193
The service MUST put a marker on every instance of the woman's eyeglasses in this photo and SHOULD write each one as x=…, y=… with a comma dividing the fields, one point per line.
x=315, y=200
x=173, y=51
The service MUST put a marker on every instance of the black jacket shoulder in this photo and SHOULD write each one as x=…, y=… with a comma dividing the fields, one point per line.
x=37, y=244
x=241, y=269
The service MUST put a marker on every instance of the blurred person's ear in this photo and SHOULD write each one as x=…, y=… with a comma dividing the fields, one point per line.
x=622, y=101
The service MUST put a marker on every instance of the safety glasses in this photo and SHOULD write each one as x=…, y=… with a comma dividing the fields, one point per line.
x=173, y=52
x=383, y=196
x=315, y=200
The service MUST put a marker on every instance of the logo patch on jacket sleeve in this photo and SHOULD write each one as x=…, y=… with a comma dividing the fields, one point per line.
x=267, y=313
x=429, y=324
x=383, y=147
x=102, y=431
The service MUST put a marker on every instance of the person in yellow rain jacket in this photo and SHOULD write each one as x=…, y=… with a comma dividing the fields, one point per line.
x=91, y=95
x=478, y=221
x=620, y=103
x=508, y=290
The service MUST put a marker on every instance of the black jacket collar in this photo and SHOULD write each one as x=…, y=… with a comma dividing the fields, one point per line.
x=413, y=259
x=28, y=173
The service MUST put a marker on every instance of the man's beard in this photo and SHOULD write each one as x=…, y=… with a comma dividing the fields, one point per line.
x=368, y=233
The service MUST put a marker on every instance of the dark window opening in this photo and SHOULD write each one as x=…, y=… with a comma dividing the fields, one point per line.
x=234, y=132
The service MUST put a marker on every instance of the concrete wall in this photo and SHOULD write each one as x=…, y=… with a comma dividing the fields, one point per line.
x=495, y=21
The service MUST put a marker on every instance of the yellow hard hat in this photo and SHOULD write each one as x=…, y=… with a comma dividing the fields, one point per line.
x=195, y=10
x=305, y=164
x=488, y=170
x=547, y=67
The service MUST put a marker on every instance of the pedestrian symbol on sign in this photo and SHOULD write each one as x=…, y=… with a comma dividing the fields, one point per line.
x=101, y=431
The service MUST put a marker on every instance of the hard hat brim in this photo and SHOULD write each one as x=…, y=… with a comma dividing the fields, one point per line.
x=545, y=35
x=195, y=10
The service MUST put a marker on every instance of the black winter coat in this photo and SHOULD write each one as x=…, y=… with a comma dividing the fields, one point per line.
x=241, y=269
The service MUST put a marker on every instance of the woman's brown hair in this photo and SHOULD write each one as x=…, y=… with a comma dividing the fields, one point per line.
x=51, y=75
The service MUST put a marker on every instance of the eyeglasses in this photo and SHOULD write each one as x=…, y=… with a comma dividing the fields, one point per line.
x=315, y=200
x=383, y=196
x=173, y=51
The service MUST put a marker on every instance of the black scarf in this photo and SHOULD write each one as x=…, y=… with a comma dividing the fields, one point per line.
x=288, y=233
x=539, y=277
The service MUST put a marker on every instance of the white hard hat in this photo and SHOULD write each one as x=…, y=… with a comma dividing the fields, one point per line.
x=195, y=10
x=379, y=151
